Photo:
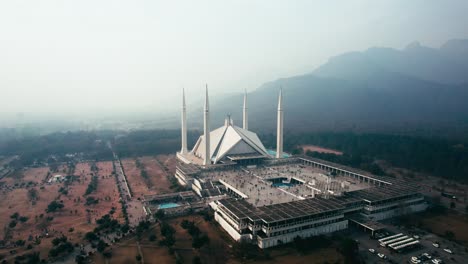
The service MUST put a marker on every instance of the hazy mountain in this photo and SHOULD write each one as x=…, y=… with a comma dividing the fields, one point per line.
x=381, y=89
x=448, y=64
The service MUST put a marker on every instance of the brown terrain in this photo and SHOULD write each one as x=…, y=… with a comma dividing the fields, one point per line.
x=73, y=221
x=156, y=181
x=313, y=148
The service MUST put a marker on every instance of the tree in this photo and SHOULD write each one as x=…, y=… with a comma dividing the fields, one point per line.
x=54, y=206
x=15, y=215
x=138, y=257
x=159, y=215
x=101, y=245
x=91, y=236
x=349, y=248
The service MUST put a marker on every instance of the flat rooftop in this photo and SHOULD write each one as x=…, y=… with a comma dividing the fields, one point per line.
x=293, y=182
x=280, y=212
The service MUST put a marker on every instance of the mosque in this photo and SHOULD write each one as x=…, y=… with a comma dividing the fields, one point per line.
x=270, y=198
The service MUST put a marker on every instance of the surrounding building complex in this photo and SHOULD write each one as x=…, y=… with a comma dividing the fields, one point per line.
x=269, y=198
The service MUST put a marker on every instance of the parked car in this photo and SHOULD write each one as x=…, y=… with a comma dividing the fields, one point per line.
x=436, y=245
x=448, y=250
x=381, y=255
x=371, y=250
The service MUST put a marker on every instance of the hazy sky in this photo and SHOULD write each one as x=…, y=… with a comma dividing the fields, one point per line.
x=77, y=55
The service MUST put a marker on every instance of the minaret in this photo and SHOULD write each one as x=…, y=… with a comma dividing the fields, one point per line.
x=184, y=125
x=206, y=130
x=279, y=129
x=245, y=124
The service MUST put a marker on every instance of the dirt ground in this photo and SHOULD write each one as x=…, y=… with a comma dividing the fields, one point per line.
x=456, y=223
x=31, y=175
x=126, y=250
x=313, y=148
x=156, y=174
x=155, y=183
x=290, y=256
x=72, y=221
x=137, y=184
x=169, y=161
x=36, y=175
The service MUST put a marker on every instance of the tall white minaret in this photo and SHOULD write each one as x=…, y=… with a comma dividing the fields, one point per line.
x=245, y=123
x=279, y=129
x=184, y=125
x=206, y=130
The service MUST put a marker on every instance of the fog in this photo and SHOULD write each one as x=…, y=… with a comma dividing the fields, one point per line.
x=98, y=58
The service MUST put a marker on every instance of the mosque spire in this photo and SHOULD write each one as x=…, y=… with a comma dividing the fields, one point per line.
x=184, y=125
x=206, y=129
x=245, y=123
x=279, y=129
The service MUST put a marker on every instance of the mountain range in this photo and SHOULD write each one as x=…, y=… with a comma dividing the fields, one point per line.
x=380, y=89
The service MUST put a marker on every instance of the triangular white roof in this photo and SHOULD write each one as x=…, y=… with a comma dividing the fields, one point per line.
x=230, y=139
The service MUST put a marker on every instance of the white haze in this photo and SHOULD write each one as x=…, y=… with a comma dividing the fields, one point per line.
x=108, y=56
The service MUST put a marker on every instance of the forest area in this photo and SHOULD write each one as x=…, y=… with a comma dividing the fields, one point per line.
x=436, y=156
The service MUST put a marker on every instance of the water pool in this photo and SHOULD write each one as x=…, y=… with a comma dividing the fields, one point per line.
x=168, y=205
x=282, y=185
x=273, y=153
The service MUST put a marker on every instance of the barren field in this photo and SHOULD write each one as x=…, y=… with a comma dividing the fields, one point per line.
x=456, y=223
x=126, y=250
x=155, y=182
x=313, y=148
x=36, y=175
x=18, y=201
x=137, y=184
x=156, y=174
x=169, y=161
x=290, y=256
x=73, y=220
x=32, y=175
x=106, y=192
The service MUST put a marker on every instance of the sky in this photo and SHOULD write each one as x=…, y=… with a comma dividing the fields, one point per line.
x=69, y=56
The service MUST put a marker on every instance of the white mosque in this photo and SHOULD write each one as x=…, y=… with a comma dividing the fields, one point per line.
x=269, y=199
x=228, y=144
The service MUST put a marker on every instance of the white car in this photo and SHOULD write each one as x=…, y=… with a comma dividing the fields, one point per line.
x=437, y=261
x=381, y=255
x=371, y=250
x=448, y=250
x=427, y=255
x=436, y=245
x=415, y=261
x=416, y=237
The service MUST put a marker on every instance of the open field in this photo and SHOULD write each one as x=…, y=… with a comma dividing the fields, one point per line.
x=126, y=250
x=290, y=256
x=137, y=183
x=73, y=220
x=155, y=181
x=156, y=175
x=169, y=161
x=314, y=148
x=27, y=176
x=456, y=223
x=36, y=175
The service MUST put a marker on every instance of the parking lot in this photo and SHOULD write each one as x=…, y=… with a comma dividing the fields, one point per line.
x=426, y=246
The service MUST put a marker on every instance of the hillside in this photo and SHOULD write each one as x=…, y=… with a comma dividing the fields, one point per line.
x=378, y=90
